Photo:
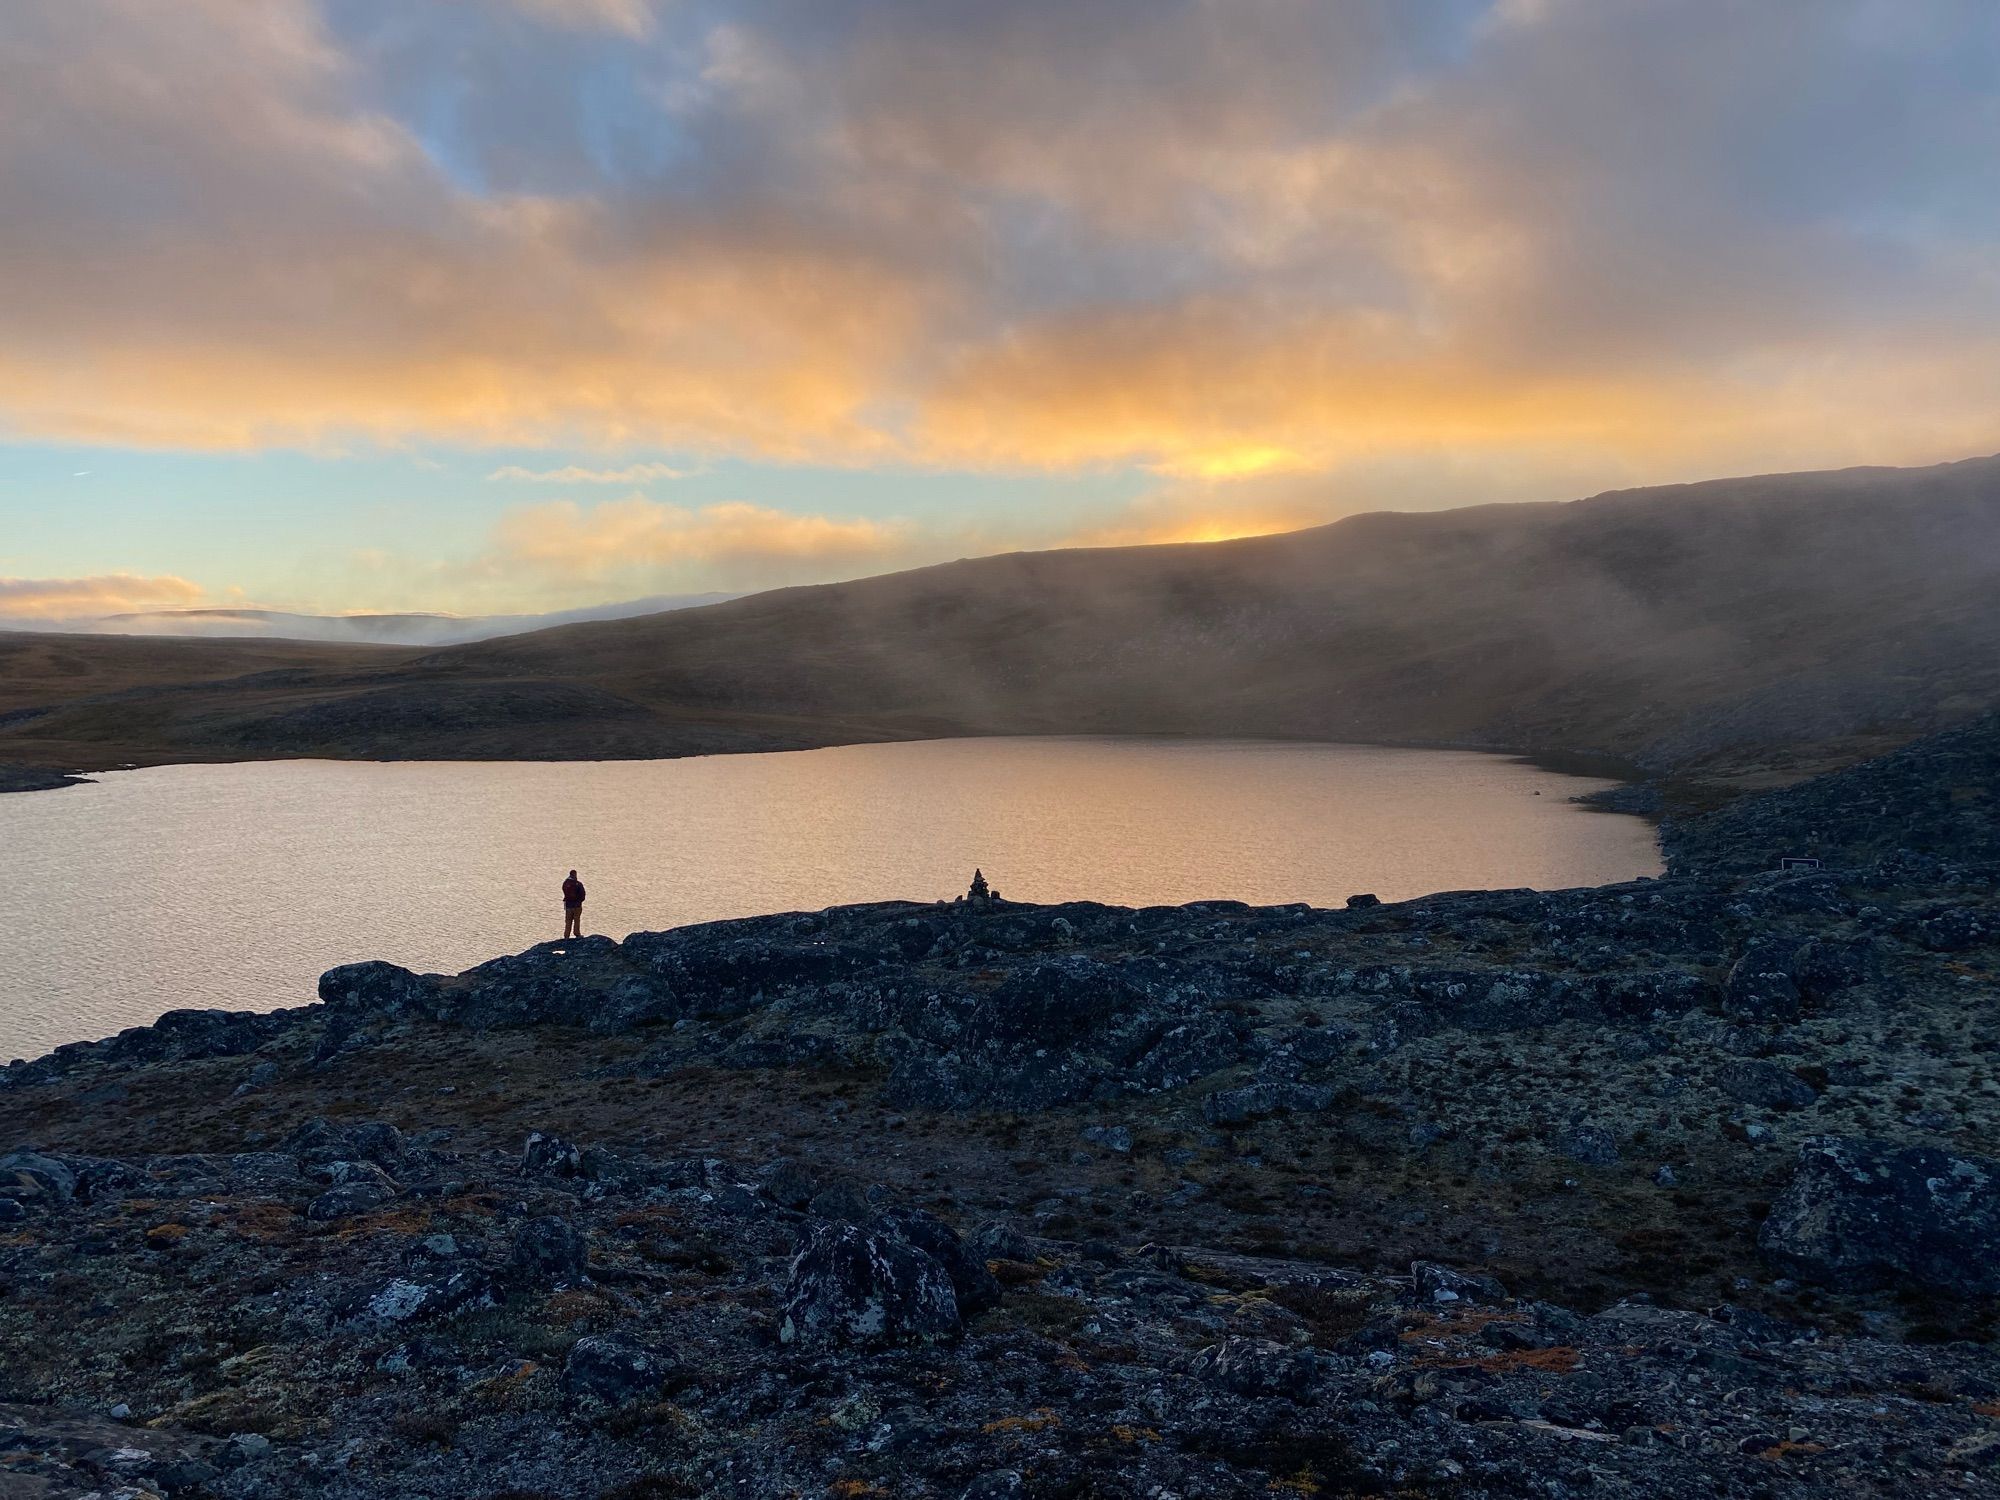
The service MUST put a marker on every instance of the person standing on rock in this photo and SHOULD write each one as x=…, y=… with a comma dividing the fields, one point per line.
x=572, y=906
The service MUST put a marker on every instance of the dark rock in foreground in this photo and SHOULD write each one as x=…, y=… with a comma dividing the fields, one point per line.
x=1860, y=1214
x=730, y=1346
x=858, y=1286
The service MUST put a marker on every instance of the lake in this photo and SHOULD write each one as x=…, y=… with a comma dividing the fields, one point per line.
x=234, y=886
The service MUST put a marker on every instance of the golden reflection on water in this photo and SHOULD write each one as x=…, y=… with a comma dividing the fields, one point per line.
x=234, y=886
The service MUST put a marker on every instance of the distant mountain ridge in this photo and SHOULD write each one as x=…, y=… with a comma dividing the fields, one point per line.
x=1785, y=620
x=410, y=629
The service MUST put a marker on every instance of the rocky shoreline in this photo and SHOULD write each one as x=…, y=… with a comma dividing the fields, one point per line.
x=1682, y=1187
x=36, y=779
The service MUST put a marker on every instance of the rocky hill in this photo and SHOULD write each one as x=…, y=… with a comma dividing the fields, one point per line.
x=1678, y=1188
x=1941, y=794
x=1789, y=621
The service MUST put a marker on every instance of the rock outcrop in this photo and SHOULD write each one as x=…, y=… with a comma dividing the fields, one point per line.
x=1858, y=1215
x=866, y=1287
x=1939, y=797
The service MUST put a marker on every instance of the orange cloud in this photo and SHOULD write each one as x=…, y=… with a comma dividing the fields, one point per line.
x=55, y=599
x=641, y=540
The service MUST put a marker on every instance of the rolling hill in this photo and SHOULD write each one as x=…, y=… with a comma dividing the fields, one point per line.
x=1789, y=620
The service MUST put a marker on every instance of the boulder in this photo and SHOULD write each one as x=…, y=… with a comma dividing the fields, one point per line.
x=1111, y=1137
x=321, y=1141
x=1193, y=1049
x=1764, y=1084
x=616, y=1370
x=1443, y=1286
x=1859, y=1215
x=851, y=1286
x=549, y=1251
x=551, y=1154
x=30, y=1177
x=407, y=1298
x=1240, y=1106
x=1588, y=1145
x=353, y=1173
x=1257, y=1367
x=1760, y=986
x=994, y=1240
x=376, y=988
x=972, y=1284
x=347, y=1198
x=789, y=1184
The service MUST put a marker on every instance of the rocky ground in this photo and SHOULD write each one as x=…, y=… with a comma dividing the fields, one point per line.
x=1684, y=1187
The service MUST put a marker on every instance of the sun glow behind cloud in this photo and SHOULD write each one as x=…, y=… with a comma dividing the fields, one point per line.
x=1217, y=245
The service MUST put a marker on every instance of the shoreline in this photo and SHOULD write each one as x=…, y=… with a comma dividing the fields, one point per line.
x=1592, y=765
x=1670, y=1178
x=128, y=989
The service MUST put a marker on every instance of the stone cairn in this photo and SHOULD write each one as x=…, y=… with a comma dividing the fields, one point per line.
x=979, y=893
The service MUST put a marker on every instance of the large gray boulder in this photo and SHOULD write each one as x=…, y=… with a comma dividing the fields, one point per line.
x=30, y=1176
x=375, y=988
x=973, y=1285
x=616, y=1370
x=591, y=982
x=1258, y=1367
x=1752, y=1080
x=854, y=1286
x=548, y=1251
x=1761, y=986
x=1860, y=1215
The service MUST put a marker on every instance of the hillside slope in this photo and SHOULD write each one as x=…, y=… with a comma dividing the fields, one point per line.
x=1795, y=617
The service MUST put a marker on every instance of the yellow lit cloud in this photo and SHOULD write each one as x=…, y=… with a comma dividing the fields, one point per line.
x=735, y=542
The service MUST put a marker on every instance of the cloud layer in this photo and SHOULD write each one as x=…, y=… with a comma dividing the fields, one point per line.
x=578, y=474
x=1217, y=239
x=634, y=540
x=54, y=600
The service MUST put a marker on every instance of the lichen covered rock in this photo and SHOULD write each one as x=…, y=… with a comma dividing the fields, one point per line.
x=854, y=1286
x=1861, y=1214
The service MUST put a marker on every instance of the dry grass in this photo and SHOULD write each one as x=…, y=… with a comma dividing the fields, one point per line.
x=1039, y=1420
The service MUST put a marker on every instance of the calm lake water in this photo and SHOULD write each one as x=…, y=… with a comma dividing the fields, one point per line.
x=235, y=886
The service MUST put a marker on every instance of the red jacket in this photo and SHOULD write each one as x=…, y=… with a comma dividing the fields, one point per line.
x=572, y=892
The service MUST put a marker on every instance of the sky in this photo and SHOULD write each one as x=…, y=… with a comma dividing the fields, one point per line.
x=510, y=305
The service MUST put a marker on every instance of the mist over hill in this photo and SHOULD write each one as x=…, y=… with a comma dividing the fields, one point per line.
x=1664, y=625
x=1785, y=619
x=409, y=629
